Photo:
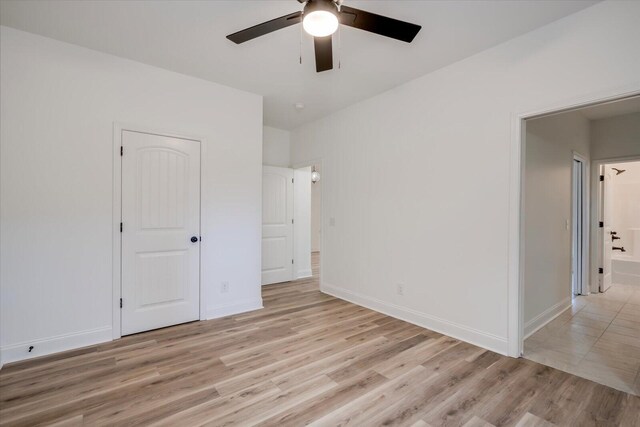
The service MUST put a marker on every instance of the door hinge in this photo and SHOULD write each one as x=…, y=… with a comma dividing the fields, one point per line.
x=121, y=150
x=291, y=220
x=601, y=270
x=292, y=180
x=600, y=224
x=120, y=302
x=601, y=177
x=121, y=227
x=291, y=261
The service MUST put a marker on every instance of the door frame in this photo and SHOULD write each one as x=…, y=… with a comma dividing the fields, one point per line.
x=515, y=252
x=596, y=241
x=116, y=293
x=310, y=163
x=583, y=286
x=296, y=236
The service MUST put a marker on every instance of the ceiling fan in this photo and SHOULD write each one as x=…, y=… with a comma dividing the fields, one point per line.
x=320, y=18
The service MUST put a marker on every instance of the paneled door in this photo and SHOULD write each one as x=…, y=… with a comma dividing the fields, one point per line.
x=277, y=225
x=160, y=231
x=606, y=231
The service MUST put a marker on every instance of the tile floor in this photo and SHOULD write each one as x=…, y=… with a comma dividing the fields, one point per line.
x=598, y=338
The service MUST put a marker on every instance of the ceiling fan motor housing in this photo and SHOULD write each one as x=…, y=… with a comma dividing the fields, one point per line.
x=314, y=5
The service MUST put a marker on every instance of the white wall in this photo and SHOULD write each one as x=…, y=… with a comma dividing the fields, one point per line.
x=550, y=143
x=58, y=108
x=617, y=136
x=276, y=147
x=316, y=213
x=417, y=179
x=302, y=223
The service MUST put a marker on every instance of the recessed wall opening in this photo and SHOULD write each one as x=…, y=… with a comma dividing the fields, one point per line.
x=581, y=242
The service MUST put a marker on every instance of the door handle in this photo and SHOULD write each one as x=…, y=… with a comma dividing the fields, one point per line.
x=614, y=237
x=616, y=248
x=194, y=239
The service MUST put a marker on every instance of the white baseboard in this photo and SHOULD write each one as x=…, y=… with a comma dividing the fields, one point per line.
x=41, y=347
x=303, y=274
x=234, y=308
x=454, y=330
x=533, y=325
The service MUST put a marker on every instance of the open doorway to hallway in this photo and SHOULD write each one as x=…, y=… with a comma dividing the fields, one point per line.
x=316, y=218
x=291, y=223
x=580, y=215
x=308, y=220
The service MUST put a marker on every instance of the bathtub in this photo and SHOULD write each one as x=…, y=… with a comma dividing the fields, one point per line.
x=625, y=267
x=625, y=270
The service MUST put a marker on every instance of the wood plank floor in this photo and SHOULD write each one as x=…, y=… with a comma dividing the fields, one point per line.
x=307, y=358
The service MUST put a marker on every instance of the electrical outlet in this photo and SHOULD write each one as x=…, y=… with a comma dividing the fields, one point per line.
x=400, y=289
x=225, y=287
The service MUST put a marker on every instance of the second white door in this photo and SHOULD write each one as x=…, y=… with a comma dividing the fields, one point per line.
x=607, y=229
x=160, y=231
x=277, y=225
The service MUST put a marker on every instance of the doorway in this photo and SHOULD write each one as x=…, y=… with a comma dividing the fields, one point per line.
x=618, y=204
x=291, y=223
x=577, y=210
x=316, y=218
x=159, y=231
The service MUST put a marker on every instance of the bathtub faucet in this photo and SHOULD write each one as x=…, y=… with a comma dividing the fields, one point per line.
x=616, y=248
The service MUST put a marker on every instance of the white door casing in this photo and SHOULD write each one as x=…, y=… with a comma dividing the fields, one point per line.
x=605, y=231
x=302, y=223
x=580, y=229
x=160, y=214
x=277, y=225
x=577, y=232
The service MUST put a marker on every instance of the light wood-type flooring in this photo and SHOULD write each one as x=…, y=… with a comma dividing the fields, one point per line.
x=306, y=358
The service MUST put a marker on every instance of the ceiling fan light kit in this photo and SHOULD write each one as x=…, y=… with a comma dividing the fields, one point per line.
x=321, y=18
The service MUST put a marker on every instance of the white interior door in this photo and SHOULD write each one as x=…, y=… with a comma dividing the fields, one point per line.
x=277, y=225
x=161, y=231
x=607, y=228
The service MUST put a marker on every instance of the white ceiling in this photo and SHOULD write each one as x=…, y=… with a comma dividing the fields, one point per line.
x=189, y=37
x=612, y=109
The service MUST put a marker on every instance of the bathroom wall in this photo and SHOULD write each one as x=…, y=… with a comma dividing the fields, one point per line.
x=626, y=206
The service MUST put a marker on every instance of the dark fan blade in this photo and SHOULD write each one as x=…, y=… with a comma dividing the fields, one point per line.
x=266, y=28
x=324, y=53
x=378, y=24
